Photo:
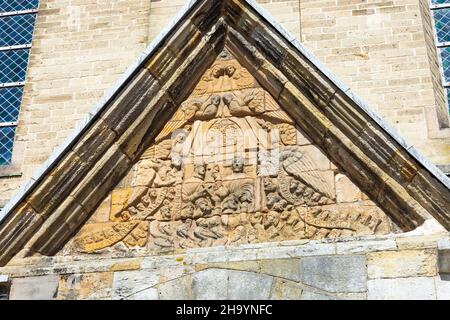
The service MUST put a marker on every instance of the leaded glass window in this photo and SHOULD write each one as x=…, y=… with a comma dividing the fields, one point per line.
x=441, y=15
x=17, y=20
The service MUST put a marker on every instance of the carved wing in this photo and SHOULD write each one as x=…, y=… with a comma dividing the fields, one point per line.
x=181, y=117
x=273, y=111
x=106, y=237
x=300, y=166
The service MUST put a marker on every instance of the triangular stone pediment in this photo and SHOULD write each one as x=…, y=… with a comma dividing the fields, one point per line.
x=230, y=167
x=227, y=131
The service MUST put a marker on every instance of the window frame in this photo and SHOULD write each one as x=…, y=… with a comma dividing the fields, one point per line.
x=439, y=46
x=11, y=168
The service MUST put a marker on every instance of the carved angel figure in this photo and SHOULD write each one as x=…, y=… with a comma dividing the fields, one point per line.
x=245, y=103
x=301, y=167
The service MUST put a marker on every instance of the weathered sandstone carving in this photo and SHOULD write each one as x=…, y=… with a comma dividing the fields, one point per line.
x=227, y=169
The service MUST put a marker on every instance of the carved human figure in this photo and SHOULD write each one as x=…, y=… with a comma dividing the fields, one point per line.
x=162, y=234
x=247, y=103
x=185, y=233
x=204, y=234
x=198, y=193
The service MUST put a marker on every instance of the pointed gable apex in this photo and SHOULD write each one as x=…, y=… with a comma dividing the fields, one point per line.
x=63, y=194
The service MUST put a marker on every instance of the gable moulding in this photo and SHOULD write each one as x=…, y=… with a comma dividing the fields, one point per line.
x=61, y=197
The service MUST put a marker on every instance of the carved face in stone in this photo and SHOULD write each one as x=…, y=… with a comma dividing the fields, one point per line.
x=180, y=137
x=230, y=70
x=272, y=219
x=217, y=71
x=176, y=161
x=227, y=98
x=200, y=171
x=238, y=165
x=269, y=185
x=215, y=100
x=203, y=205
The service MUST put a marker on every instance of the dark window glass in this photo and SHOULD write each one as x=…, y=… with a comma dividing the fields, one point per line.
x=445, y=55
x=18, y=5
x=442, y=23
x=16, y=30
x=10, y=99
x=6, y=144
x=13, y=65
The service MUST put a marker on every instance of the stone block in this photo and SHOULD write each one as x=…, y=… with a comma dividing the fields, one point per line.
x=248, y=286
x=419, y=242
x=401, y=289
x=13, y=239
x=364, y=246
x=442, y=283
x=432, y=195
x=101, y=179
x=405, y=263
x=210, y=284
x=346, y=190
x=444, y=261
x=282, y=268
x=285, y=290
x=131, y=102
x=304, y=112
x=176, y=289
x=89, y=286
x=311, y=295
x=252, y=266
x=135, y=285
x=346, y=273
x=58, y=184
x=34, y=288
x=94, y=143
x=318, y=160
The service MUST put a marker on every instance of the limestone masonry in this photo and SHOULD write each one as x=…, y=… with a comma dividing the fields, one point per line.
x=228, y=162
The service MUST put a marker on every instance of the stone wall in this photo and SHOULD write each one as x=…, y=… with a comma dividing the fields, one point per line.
x=81, y=48
x=370, y=267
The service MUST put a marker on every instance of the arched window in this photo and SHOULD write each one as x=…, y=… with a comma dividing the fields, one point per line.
x=441, y=15
x=17, y=20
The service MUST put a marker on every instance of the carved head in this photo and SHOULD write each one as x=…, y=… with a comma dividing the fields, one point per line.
x=230, y=70
x=217, y=71
x=272, y=218
x=180, y=136
x=227, y=98
x=238, y=164
x=200, y=171
x=176, y=161
x=215, y=100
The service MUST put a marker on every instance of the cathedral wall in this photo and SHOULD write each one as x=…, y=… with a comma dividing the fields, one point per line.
x=370, y=267
x=81, y=48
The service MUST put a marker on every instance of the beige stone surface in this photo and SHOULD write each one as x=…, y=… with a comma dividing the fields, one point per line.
x=346, y=191
x=228, y=168
x=404, y=263
x=231, y=273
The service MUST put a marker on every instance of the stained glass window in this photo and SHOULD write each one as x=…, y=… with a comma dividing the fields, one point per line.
x=17, y=20
x=441, y=15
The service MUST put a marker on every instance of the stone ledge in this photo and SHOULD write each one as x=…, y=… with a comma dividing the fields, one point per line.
x=200, y=256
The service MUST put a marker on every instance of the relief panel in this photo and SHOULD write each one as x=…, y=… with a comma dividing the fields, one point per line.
x=229, y=168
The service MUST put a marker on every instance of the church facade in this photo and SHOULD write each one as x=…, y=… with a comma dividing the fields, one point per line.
x=228, y=162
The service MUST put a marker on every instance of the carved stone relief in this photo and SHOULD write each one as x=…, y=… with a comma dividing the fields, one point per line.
x=229, y=168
